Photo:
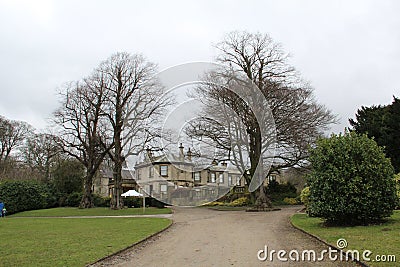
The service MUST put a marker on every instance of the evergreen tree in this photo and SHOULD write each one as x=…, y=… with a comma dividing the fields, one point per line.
x=383, y=124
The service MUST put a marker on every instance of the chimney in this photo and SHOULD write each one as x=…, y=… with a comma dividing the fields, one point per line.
x=149, y=154
x=189, y=155
x=181, y=155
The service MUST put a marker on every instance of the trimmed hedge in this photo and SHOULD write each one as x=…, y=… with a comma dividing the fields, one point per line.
x=26, y=195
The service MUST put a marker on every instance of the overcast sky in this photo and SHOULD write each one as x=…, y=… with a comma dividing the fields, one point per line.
x=348, y=50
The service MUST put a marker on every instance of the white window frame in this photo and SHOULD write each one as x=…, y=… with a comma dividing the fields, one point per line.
x=197, y=176
x=163, y=188
x=165, y=171
x=238, y=178
x=213, y=177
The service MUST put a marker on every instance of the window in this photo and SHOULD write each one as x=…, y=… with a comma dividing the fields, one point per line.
x=163, y=188
x=212, y=175
x=272, y=178
x=151, y=171
x=164, y=170
x=197, y=176
x=229, y=179
x=221, y=178
x=237, y=180
x=138, y=174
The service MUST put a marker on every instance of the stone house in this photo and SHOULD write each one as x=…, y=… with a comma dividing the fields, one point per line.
x=176, y=178
x=103, y=183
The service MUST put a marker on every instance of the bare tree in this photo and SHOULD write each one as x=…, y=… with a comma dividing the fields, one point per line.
x=133, y=103
x=84, y=131
x=229, y=118
x=40, y=153
x=12, y=136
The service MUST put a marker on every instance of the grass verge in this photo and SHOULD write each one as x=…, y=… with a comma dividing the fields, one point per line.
x=383, y=239
x=70, y=242
x=62, y=212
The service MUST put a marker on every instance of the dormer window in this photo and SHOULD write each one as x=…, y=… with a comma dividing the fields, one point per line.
x=164, y=170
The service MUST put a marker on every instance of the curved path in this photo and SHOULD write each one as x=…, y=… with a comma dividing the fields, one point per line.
x=204, y=237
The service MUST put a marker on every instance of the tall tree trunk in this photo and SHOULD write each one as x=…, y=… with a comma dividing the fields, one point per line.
x=117, y=202
x=47, y=171
x=257, y=197
x=87, y=198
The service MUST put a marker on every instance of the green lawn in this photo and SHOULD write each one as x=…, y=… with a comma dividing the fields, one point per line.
x=70, y=241
x=383, y=239
x=61, y=212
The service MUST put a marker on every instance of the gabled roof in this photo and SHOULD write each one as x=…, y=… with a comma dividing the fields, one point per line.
x=168, y=159
x=126, y=174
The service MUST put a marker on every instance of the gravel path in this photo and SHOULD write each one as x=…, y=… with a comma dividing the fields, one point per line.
x=204, y=237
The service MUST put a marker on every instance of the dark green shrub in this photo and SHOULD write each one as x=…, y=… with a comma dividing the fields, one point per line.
x=52, y=196
x=278, y=192
x=100, y=201
x=152, y=202
x=351, y=181
x=397, y=180
x=73, y=199
x=135, y=202
x=68, y=176
x=26, y=195
x=62, y=198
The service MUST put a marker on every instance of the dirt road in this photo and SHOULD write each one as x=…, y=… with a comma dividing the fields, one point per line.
x=204, y=237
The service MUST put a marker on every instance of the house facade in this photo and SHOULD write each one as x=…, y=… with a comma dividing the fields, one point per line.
x=175, y=179
x=103, y=183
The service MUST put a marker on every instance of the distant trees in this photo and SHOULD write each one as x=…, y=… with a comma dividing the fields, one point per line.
x=351, y=181
x=229, y=120
x=12, y=136
x=40, y=153
x=383, y=124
